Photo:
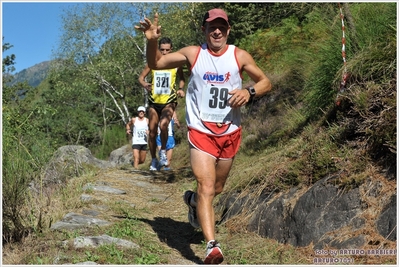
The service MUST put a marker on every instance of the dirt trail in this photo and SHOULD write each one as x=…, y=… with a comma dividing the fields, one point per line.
x=154, y=198
x=160, y=193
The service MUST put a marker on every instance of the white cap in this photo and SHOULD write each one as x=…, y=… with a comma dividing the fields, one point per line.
x=141, y=108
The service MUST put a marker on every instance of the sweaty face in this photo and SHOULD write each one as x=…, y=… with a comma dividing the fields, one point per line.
x=216, y=33
x=165, y=49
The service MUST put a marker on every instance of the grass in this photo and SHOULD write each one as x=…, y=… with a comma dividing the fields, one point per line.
x=47, y=247
x=268, y=169
x=55, y=247
x=354, y=141
x=317, y=151
x=252, y=249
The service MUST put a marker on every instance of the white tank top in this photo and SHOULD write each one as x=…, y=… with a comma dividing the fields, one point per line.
x=212, y=77
x=139, y=131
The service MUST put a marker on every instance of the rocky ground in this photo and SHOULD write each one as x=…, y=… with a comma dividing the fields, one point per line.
x=154, y=199
x=156, y=193
x=167, y=216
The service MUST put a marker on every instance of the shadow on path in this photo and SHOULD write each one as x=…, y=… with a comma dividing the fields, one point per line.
x=177, y=235
x=166, y=176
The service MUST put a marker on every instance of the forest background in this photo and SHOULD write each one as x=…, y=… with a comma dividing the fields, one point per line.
x=331, y=110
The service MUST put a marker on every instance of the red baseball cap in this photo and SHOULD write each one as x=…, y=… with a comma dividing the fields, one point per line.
x=214, y=14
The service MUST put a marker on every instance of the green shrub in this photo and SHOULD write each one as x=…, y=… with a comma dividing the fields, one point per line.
x=112, y=138
x=24, y=154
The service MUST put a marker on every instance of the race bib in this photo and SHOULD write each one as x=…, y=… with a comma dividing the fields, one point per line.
x=215, y=105
x=162, y=82
x=141, y=134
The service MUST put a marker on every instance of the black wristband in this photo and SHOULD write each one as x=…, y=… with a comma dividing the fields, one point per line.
x=251, y=92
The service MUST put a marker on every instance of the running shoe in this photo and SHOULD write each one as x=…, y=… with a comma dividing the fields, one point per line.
x=154, y=165
x=214, y=254
x=192, y=211
x=163, y=161
x=167, y=169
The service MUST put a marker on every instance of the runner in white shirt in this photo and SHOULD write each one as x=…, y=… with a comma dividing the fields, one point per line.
x=213, y=100
x=139, y=136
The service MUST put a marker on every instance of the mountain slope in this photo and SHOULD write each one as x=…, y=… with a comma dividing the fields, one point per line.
x=33, y=75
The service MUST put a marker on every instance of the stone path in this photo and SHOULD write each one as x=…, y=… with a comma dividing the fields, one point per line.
x=153, y=191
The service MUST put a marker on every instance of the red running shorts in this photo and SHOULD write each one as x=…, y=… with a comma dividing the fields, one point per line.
x=220, y=147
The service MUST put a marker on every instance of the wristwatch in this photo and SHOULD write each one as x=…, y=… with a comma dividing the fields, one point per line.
x=251, y=91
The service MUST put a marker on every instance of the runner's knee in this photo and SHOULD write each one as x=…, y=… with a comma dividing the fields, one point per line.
x=206, y=190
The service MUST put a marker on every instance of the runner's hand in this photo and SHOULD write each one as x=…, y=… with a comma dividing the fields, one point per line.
x=239, y=97
x=148, y=87
x=151, y=30
x=180, y=93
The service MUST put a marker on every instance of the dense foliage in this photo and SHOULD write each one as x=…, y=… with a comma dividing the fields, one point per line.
x=92, y=88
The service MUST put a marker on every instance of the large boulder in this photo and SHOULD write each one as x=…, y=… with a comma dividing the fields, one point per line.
x=121, y=156
x=68, y=161
x=326, y=214
x=322, y=209
x=386, y=222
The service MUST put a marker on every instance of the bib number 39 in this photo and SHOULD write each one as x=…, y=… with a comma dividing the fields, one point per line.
x=215, y=104
x=219, y=97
